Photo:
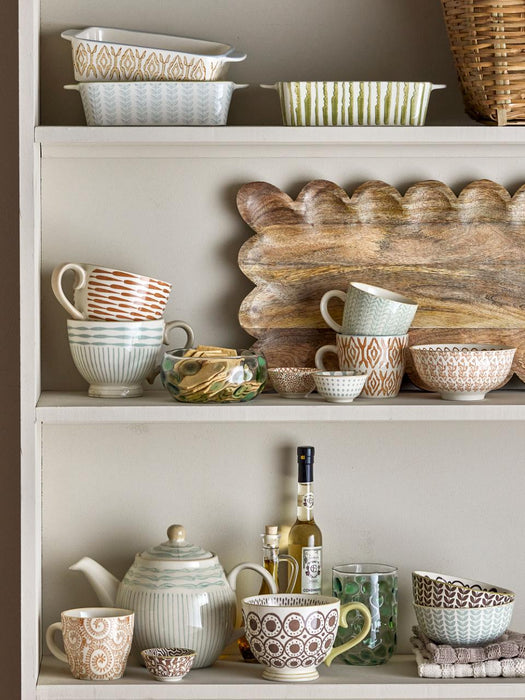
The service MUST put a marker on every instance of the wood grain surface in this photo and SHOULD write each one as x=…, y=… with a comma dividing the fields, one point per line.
x=461, y=258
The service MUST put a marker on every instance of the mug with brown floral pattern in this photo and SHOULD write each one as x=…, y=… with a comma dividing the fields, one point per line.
x=97, y=642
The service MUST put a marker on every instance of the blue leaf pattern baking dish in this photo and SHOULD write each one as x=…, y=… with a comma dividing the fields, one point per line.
x=156, y=103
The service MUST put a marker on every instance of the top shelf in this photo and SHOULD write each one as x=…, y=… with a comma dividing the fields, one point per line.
x=470, y=135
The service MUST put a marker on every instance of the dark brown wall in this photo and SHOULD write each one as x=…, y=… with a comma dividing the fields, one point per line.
x=9, y=356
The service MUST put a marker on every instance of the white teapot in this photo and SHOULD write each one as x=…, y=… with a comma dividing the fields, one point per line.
x=180, y=594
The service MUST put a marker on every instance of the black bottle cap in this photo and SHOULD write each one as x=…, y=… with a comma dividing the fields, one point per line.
x=305, y=463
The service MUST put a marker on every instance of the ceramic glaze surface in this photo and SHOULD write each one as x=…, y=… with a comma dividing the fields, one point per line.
x=180, y=594
x=170, y=664
x=156, y=103
x=106, y=294
x=381, y=357
x=442, y=591
x=97, y=646
x=291, y=634
x=464, y=625
x=464, y=371
x=370, y=310
x=180, y=606
x=340, y=387
x=354, y=103
x=115, y=357
x=292, y=382
x=116, y=55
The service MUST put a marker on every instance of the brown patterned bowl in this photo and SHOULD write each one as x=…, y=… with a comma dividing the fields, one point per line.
x=168, y=664
x=463, y=372
x=292, y=382
x=441, y=591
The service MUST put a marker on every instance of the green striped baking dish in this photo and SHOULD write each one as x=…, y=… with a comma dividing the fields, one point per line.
x=353, y=103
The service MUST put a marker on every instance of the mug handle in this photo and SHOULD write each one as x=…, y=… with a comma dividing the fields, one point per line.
x=56, y=286
x=333, y=293
x=345, y=609
x=170, y=325
x=50, y=632
x=232, y=580
x=321, y=353
x=293, y=570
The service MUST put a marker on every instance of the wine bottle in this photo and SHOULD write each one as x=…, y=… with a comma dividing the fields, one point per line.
x=305, y=539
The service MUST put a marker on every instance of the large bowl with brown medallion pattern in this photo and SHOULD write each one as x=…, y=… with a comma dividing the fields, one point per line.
x=290, y=634
x=463, y=372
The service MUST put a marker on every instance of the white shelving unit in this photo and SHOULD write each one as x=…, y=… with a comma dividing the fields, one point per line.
x=55, y=419
x=159, y=407
x=235, y=680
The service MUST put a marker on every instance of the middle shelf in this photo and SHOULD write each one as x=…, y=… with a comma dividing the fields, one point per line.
x=158, y=407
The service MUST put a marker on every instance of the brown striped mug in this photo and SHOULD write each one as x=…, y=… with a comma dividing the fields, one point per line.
x=106, y=294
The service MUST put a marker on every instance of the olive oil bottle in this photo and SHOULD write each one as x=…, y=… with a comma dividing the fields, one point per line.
x=271, y=559
x=305, y=541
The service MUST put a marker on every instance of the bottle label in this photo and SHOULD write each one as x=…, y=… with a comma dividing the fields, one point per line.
x=305, y=500
x=311, y=570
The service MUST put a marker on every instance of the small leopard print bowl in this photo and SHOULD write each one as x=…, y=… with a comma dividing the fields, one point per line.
x=168, y=664
x=292, y=382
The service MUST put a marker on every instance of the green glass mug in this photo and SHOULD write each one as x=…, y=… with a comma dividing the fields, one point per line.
x=375, y=585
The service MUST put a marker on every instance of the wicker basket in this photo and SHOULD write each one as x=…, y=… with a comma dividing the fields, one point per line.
x=487, y=38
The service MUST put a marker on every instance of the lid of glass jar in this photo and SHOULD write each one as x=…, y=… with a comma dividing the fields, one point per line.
x=176, y=548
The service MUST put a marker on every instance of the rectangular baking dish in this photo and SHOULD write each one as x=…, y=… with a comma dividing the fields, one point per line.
x=156, y=103
x=115, y=55
x=353, y=103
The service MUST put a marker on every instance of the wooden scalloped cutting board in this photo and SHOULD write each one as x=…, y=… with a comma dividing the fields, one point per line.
x=462, y=258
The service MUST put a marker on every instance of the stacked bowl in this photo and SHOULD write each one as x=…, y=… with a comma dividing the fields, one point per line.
x=117, y=326
x=131, y=78
x=372, y=337
x=459, y=611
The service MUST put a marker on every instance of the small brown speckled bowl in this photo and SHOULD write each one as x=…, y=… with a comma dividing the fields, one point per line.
x=168, y=665
x=292, y=382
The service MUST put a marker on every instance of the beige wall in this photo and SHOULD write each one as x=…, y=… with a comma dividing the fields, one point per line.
x=291, y=40
x=9, y=406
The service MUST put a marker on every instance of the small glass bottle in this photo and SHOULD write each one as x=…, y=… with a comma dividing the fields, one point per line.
x=305, y=541
x=271, y=559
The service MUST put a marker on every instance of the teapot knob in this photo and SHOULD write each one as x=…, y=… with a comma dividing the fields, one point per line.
x=177, y=533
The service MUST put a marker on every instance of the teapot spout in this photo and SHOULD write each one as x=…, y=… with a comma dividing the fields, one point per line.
x=103, y=583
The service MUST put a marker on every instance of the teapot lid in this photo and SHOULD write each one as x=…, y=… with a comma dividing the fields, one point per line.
x=176, y=548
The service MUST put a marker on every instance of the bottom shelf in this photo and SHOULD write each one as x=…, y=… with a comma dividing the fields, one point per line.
x=236, y=680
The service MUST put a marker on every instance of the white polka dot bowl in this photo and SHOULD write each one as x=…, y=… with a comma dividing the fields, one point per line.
x=168, y=664
x=292, y=382
x=340, y=386
x=291, y=634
